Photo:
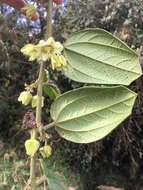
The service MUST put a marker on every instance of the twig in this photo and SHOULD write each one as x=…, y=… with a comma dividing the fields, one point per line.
x=41, y=180
x=50, y=125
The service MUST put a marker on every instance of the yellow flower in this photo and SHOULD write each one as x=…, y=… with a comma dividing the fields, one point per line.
x=58, y=47
x=49, y=42
x=31, y=146
x=34, y=101
x=46, y=151
x=30, y=50
x=46, y=50
x=43, y=51
x=58, y=62
x=25, y=97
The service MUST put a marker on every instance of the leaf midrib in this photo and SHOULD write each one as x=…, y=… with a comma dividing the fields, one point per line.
x=92, y=111
x=103, y=45
x=116, y=67
x=120, y=121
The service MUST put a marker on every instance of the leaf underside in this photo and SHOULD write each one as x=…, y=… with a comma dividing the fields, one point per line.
x=88, y=114
x=96, y=56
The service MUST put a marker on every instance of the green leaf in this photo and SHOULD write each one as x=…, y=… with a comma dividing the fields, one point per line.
x=88, y=114
x=54, y=179
x=51, y=90
x=96, y=56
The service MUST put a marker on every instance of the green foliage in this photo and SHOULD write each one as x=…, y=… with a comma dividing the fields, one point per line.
x=81, y=23
x=12, y=175
x=55, y=180
x=51, y=91
x=90, y=113
x=124, y=146
x=96, y=56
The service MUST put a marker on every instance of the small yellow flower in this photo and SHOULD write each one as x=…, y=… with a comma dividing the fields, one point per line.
x=34, y=101
x=25, y=97
x=58, y=47
x=31, y=146
x=46, y=151
x=58, y=62
x=30, y=50
x=43, y=50
x=50, y=42
x=46, y=50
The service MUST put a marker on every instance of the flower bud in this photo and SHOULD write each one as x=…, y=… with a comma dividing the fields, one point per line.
x=46, y=151
x=31, y=146
x=25, y=97
x=58, y=62
x=35, y=100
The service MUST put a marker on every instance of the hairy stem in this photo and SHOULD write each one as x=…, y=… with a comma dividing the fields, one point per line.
x=49, y=19
x=32, y=174
x=38, y=122
x=39, y=94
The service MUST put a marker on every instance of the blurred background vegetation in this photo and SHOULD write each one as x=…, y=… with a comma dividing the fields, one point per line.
x=116, y=160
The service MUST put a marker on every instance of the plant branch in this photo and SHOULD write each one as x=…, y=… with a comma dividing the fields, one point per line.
x=38, y=123
x=39, y=94
x=39, y=99
x=50, y=125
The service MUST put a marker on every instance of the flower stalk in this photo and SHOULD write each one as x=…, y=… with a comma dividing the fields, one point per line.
x=39, y=97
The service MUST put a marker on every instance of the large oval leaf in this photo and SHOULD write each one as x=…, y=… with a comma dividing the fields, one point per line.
x=88, y=114
x=96, y=56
